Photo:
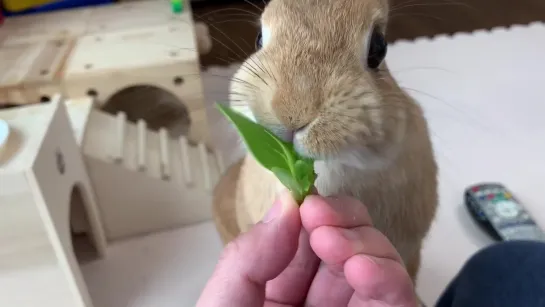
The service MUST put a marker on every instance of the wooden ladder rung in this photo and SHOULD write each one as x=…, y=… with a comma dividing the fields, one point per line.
x=184, y=150
x=203, y=153
x=165, y=154
x=141, y=137
x=121, y=122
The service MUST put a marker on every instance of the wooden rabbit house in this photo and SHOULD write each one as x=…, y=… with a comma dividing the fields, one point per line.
x=70, y=171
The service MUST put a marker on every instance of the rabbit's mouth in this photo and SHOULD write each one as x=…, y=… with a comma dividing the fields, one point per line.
x=286, y=134
x=283, y=133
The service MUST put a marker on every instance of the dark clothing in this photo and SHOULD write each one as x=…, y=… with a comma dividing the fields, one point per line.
x=507, y=274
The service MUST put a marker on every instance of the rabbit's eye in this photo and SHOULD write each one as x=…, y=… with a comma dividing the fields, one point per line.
x=259, y=41
x=377, y=49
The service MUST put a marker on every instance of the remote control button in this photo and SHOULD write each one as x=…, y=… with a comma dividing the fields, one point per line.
x=507, y=195
x=507, y=209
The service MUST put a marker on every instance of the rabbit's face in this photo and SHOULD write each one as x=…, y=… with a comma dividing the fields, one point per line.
x=319, y=79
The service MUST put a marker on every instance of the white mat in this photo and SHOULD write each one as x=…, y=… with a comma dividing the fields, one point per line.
x=484, y=100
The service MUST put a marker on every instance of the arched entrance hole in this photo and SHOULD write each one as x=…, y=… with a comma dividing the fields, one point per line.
x=158, y=107
x=80, y=228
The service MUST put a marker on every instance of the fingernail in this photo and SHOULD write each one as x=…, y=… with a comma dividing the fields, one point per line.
x=283, y=202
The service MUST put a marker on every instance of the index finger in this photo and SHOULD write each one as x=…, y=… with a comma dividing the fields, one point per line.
x=291, y=286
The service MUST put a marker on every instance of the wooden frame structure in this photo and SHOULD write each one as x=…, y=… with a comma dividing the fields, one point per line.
x=100, y=51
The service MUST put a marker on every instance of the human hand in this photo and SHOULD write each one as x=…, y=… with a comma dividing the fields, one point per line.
x=277, y=262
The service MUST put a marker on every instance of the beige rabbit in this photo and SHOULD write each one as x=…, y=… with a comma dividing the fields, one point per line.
x=319, y=80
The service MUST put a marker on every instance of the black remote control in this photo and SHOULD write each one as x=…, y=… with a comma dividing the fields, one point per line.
x=500, y=214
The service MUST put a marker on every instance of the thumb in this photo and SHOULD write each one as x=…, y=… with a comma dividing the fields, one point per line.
x=255, y=257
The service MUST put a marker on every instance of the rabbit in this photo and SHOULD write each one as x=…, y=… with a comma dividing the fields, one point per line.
x=319, y=79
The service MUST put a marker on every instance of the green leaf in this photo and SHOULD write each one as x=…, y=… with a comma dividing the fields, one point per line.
x=295, y=172
x=302, y=169
x=289, y=182
x=304, y=173
x=263, y=145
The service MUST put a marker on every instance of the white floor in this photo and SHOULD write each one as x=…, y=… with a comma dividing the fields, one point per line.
x=483, y=94
x=162, y=270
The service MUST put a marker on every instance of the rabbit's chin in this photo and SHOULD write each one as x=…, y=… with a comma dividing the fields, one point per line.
x=360, y=158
